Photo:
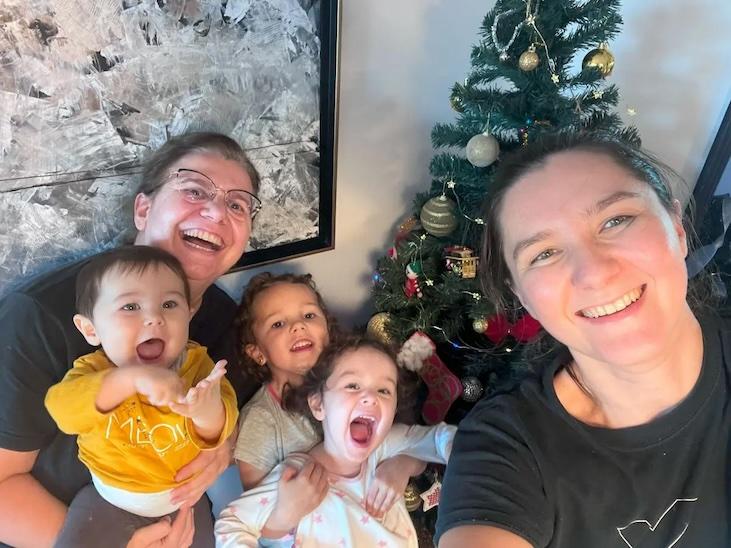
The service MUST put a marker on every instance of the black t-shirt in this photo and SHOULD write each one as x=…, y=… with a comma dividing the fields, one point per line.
x=520, y=462
x=39, y=343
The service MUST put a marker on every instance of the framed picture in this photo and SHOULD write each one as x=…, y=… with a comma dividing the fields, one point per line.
x=88, y=88
x=715, y=177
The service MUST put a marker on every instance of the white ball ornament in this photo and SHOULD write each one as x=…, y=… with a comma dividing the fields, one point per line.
x=482, y=150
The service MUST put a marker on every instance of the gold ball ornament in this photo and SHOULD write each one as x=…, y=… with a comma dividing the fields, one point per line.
x=437, y=216
x=455, y=102
x=377, y=327
x=479, y=325
x=529, y=59
x=412, y=498
x=599, y=58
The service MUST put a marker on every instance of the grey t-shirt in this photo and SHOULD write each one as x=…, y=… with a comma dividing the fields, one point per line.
x=268, y=433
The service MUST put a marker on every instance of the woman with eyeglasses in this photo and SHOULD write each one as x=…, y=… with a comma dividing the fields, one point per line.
x=197, y=201
x=622, y=437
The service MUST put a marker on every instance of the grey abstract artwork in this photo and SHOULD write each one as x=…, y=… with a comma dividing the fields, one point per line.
x=88, y=87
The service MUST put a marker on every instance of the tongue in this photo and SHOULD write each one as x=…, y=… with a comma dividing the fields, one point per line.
x=359, y=432
x=150, y=350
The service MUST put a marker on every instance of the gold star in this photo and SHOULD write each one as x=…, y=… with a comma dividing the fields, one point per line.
x=598, y=94
x=631, y=111
x=451, y=184
x=480, y=221
x=422, y=237
x=430, y=283
x=554, y=78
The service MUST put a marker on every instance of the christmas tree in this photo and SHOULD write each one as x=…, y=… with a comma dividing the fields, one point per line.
x=538, y=68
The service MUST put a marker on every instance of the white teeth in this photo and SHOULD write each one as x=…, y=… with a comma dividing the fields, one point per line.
x=301, y=344
x=205, y=236
x=615, y=306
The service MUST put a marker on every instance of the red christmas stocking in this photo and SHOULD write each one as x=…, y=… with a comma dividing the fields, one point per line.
x=419, y=354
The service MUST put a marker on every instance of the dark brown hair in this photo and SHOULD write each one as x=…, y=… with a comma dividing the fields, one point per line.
x=125, y=259
x=156, y=169
x=295, y=399
x=245, y=315
x=494, y=272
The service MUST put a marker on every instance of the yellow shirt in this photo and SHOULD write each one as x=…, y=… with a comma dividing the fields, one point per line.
x=136, y=446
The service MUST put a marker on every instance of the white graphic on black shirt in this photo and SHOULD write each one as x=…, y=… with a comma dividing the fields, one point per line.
x=672, y=529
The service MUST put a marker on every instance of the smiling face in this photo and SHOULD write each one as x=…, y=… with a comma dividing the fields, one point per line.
x=357, y=407
x=596, y=258
x=290, y=330
x=139, y=318
x=202, y=236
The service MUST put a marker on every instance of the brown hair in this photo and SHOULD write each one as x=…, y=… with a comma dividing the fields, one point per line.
x=295, y=399
x=125, y=259
x=156, y=168
x=245, y=315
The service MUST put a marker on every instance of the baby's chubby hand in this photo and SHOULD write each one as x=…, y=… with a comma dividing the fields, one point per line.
x=160, y=386
x=202, y=403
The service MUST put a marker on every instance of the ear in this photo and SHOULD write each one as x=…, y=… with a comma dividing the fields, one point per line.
x=679, y=228
x=255, y=354
x=315, y=403
x=143, y=202
x=86, y=328
x=518, y=295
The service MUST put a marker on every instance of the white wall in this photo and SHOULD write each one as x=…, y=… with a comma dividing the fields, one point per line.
x=399, y=60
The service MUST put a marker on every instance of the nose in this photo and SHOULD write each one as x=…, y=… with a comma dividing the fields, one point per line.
x=368, y=397
x=593, y=266
x=215, y=207
x=154, y=319
x=298, y=325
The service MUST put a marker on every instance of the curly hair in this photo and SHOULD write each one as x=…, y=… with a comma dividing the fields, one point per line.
x=295, y=398
x=244, y=320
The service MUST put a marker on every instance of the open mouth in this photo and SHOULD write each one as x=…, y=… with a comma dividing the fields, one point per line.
x=615, y=306
x=202, y=239
x=301, y=345
x=150, y=350
x=361, y=430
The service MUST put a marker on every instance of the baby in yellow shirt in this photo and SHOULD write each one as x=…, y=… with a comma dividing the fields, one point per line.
x=144, y=405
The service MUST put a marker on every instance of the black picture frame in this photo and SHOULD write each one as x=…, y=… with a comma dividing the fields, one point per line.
x=716, y=163
x=325, y=239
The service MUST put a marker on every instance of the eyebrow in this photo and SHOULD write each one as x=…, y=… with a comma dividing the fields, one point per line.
x=268, y=317
x=613, y=198
x=355, y=373
x=598, y=207
x=136, y=294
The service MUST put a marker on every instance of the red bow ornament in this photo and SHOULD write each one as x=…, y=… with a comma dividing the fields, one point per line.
x=525, y=329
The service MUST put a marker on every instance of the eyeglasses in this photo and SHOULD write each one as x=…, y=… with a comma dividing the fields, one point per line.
x=197, y=188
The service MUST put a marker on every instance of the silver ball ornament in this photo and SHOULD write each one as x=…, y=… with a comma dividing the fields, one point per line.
x=471, y=389
x=482, y=150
